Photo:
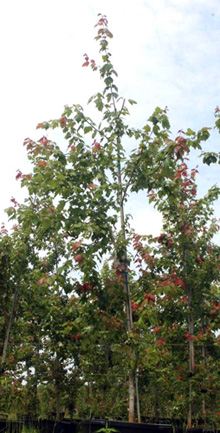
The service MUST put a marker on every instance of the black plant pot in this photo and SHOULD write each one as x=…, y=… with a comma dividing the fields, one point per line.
x=66, y=426
x=92, y=425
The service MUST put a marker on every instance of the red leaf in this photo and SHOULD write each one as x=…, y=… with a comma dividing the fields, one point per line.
x=156, y=329
x=180, y=283
x=96, y=146
x=27, y=176
x=76, y=245
x=134, y=306
x=41, y=281
x=199, y=260
x=78, y=258
x=188, y=336
x=149, y=296
x=183, y=299
x=18, y=175
x=42, y=164
x=92, y=186
x=63, y=121
x=43, y=140
x=161, y=341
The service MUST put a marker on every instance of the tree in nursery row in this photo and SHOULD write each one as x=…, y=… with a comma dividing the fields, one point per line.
x=180, y=272
x=107, y=327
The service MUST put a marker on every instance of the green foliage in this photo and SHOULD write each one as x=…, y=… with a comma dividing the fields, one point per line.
x=106, y=429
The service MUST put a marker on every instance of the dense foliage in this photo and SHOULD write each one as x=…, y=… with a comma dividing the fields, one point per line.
x=94, y=314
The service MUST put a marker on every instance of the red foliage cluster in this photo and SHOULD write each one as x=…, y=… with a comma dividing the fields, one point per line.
x=96, y=146
x=173, y=278
x=161, y=341
x=183, y=299
x=216, y=308
x=102, y=21
x=63, y=121
x=43, y=140
x=137, y=243
x=156, y=329
x=134, y=306
x=91, y=62
x=150, y=297
x=181, y=146
x=165, y=240
x=16, y=204
x=78, y=258
x=189, y=336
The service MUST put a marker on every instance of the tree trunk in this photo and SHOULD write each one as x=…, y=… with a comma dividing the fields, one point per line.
x=7, y=336
x=8, y=330
x=103, y=402
x=131, y=373
x=204, y=386
x=156, y=411
x=137, y=397
x=131, y=396
x=191, y=359
x=186, y=261
x=57, y=387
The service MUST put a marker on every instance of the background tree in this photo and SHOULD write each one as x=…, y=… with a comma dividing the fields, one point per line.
x=181, y=274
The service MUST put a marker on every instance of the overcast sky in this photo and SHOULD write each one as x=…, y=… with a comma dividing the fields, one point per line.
x=166, y=53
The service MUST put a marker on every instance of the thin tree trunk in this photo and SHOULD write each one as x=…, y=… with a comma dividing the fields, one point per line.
x=131, y=396
x=191, y=359
x=203, y=386
x=137, y=397
x=103, y=402
x=10, y=323
x=191, y=341
x=131, y=373
x=156, y=404
x=32, y=400
x=57, y=385
x=8, y=330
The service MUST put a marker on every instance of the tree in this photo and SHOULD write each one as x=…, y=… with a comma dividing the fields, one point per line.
x=182, y=268
x=76, y=197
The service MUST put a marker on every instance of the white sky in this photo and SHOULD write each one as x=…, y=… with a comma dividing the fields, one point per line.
x=166, y=53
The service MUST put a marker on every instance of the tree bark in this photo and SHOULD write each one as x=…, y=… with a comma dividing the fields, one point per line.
x=7, y=336
x=137, y=397
x=8, y=330
x=57, y=386
x=131, y=396
x=203, y=386
x=191, y=359
x=131, y=373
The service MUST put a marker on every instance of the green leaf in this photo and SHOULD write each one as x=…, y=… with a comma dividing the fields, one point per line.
x=108, y=81
x=165, y=122
x=99, y=104
x=132, y=102
x=10, y=211
x=209, y=158
x=87, y=129
x=190, y=132
x=79, y=117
